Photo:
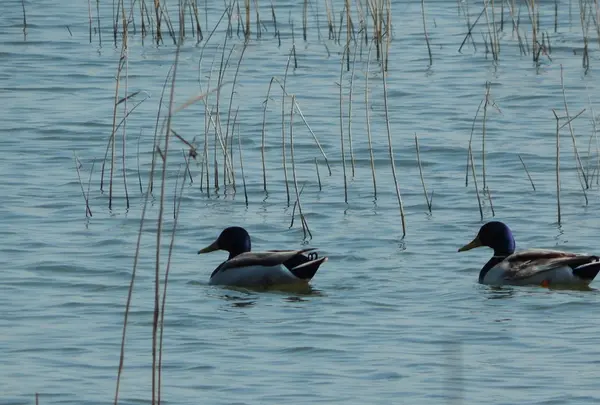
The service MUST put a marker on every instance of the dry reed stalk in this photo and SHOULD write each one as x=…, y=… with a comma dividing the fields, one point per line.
x=348, y=39
x=89, y=16
x=391, y=152
x=78, y=165
x=229, y=30
x=522, y=46
x=557, y=164
x=138, y=162
x=155, y=138
x=199, y=35
x=585, y=33
x=294, y=209
x=317, y=13
x=176, y=210
x=219, y=142
x=136, y=260
x=174, y=215
x=158, y=21
x=247, y=31
x=24, y=20
x=294, y=47
x=425, y=33
x=597, y=20
x=318, y=175
x=388, y=33
x=231, y=150
x=206, y=158
x=531, y=8
x=160, y=226
x=330, y=22
x=299, y=111
x=242, y=163
x=471, y=27
x=429, y=202
x=376, y=15
x=215, y=161
x=224, y=142
x=237, y=70
x=368, y=122
x=577, y=159
x=238, y=18
x=492, y=32
x=258, y=30
x=470, y=143
x=363, y=12
x=341, y=24
x=187, y=167
x=125, y=115
x=181, y=15
x=98, y=20
x=143, y=23
x=571, y=119
x=114, y=124
x=470, y=153
x=274, y=18
x=350, y=107
x=305, y=228
x=489, y=194
x=485, y=104
x=589, y=159
x=116, y=20
x=122, y=122
x=263, y=135
x=502, y=16
x=287, y=187
x=217, y=113
x=90, y=180
x=304, y=18
x=595, y=135
x=342, y=124
x=202, y=163
x=207, y=117
x=526, y=171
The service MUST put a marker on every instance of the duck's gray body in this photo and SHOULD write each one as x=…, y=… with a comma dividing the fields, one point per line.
x=542, y=267
x=270, y=268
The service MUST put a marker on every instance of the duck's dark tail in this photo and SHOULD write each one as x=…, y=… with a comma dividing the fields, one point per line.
x=589, y=271
x=304, y=267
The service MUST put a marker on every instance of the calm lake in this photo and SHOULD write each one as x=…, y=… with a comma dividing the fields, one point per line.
x=389, y=319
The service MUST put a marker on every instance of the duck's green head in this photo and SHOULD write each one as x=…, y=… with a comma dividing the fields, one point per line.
x=495, y=235
x=234, y=240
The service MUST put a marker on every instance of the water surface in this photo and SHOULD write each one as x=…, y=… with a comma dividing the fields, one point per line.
x=390, y=319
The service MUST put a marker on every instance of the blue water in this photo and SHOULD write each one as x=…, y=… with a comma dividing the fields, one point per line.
x=389, y=319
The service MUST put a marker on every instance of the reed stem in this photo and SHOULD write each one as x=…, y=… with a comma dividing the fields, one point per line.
x=305, y=228
x=391, y=152
x=475, y=182
x=526, y=171
x=368, y=122
x=421, y=173
x=263, y=136
x=287, y=187
x=425, y=33
x=342, y=124
x=557, y=165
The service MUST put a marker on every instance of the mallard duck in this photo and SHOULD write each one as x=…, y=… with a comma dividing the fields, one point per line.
x=244, y=268
x=529, y=267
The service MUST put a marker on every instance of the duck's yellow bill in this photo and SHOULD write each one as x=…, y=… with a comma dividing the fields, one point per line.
x=210, y=248
x=471, y=245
